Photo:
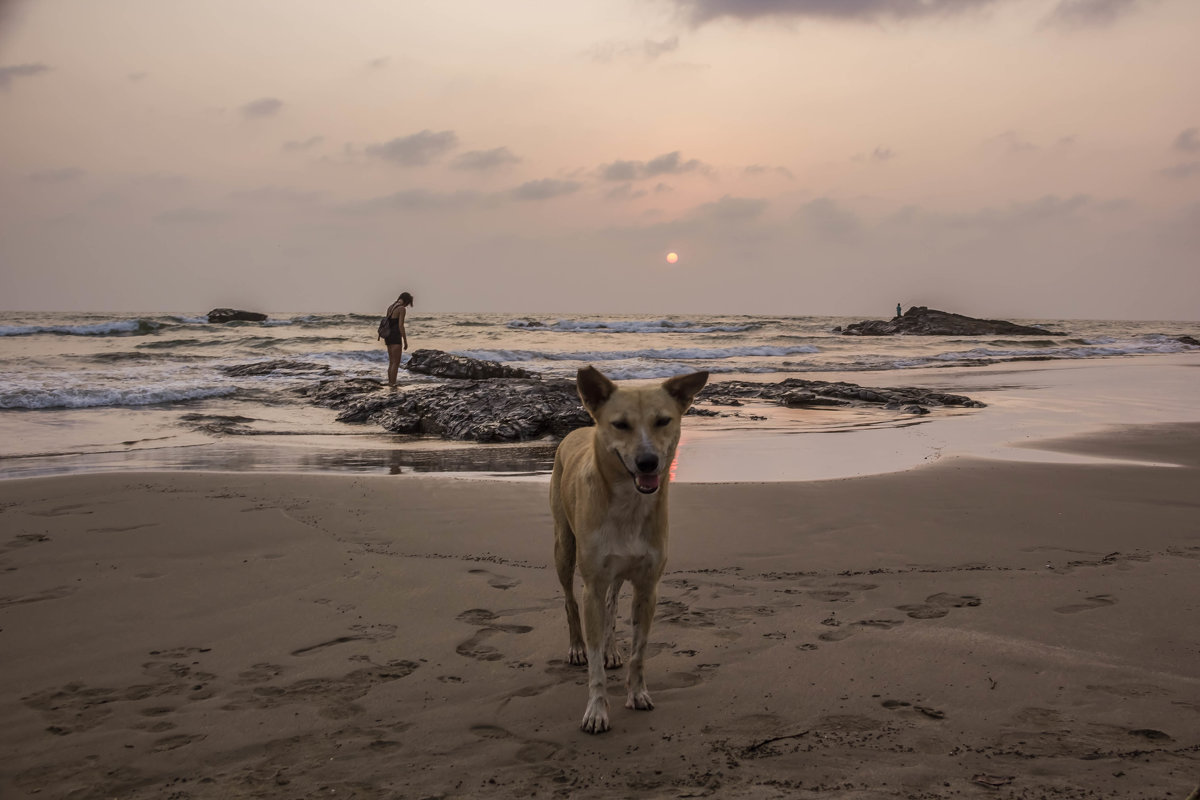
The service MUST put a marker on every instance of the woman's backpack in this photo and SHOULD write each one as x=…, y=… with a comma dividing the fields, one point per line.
x=385, y=326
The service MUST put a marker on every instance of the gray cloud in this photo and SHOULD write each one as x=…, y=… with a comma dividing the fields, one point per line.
x=64, y=175
x=421, y=200
x=825, y=219
x=1011, y=142
x=296, y=145
x=647, y=50
x=730, y=210
x=759, y=169
x=1182, y=171
x=427, y=201
x=1045, y=211
x=1188, y=141
x=702, y=11
x=1075, y=14
x=544, y=189
x=624, y=191
x=262, y=107
x=378, y=63
x=879, y=155
x=653, y=49
x=278, y=196
x=484, y=160
x=415, y=150
x=667, y=164
x=620, y=171
x=137, y=77
x=9, y=74
x=672, y=164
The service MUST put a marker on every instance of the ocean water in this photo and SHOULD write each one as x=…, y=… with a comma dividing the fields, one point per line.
x=83, y=392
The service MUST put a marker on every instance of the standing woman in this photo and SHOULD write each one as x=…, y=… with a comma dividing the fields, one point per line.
x=396, y=339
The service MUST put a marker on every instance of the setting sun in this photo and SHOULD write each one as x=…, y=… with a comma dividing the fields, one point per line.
x=672, y=258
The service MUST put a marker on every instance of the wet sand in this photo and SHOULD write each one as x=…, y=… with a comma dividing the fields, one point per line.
x=971, y=628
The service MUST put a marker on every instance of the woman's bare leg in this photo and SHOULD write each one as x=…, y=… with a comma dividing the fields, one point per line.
x=395, y=354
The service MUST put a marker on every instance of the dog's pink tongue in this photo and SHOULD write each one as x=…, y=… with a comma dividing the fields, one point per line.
x=647, y=483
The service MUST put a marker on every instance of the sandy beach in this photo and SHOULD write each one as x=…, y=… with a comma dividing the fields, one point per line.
x=971, y=628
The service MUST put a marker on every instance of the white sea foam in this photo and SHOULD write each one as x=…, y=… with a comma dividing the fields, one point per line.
x=1104, y=347
x=108, y=328
x=673, y=353
x=30, y=397
x=632, y=326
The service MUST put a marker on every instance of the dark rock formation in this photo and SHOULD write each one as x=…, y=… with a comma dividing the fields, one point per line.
x=233, y=315
x=800, y=393
x=922, y=321
x=521, y=409
x=494, y=410
x=446, y=365
x=1188, y=340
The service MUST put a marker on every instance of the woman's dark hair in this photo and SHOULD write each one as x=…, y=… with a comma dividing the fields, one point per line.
x=406, y=298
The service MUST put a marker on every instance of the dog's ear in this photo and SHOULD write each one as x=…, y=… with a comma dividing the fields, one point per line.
x=684, y=388
x=594, y=388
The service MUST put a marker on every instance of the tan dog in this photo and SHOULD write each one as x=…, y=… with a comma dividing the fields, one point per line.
x=608, y=496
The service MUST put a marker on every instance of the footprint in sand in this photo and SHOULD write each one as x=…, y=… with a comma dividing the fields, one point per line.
x=677, y=680
x=333, y=695
x=475, y=647
x=939, y=605
x=677, y=613
x=261, y=672
x=497, y=581
x=531, y=751
x=1095, y=601
x=840, y=633
x=74, y=707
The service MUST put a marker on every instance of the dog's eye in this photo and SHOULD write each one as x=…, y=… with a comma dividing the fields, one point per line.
x=621, y=425
x=662, y=422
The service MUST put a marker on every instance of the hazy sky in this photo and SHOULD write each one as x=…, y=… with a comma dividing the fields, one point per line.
x=1012, y=158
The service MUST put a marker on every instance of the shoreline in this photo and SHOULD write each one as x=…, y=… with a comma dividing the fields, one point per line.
x=1026, y=403
x=967, y=628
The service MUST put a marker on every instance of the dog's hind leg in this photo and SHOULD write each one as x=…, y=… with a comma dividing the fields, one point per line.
x=596, y=630
x=564, y=562
x=645, y=597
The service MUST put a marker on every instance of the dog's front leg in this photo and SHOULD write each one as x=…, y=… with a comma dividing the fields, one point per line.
x=612, y=652
x=645, y=597
x=596, y=632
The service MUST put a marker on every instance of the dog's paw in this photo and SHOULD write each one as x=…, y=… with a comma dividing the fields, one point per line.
x=640, y=701
x=577, y=656
x=595, y=717
x=613, y=659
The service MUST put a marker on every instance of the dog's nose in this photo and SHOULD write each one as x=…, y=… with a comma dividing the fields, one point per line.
x=647, y=462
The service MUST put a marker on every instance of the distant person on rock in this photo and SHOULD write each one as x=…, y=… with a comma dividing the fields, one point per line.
x=898, y=314
x=396, y=339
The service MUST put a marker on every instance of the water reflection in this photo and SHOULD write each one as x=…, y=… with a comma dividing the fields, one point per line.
x=515, y=460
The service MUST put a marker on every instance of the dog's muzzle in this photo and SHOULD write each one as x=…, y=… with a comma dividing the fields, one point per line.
x=646, y=478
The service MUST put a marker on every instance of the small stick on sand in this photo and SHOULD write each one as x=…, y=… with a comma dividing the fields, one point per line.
x=766, y=742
